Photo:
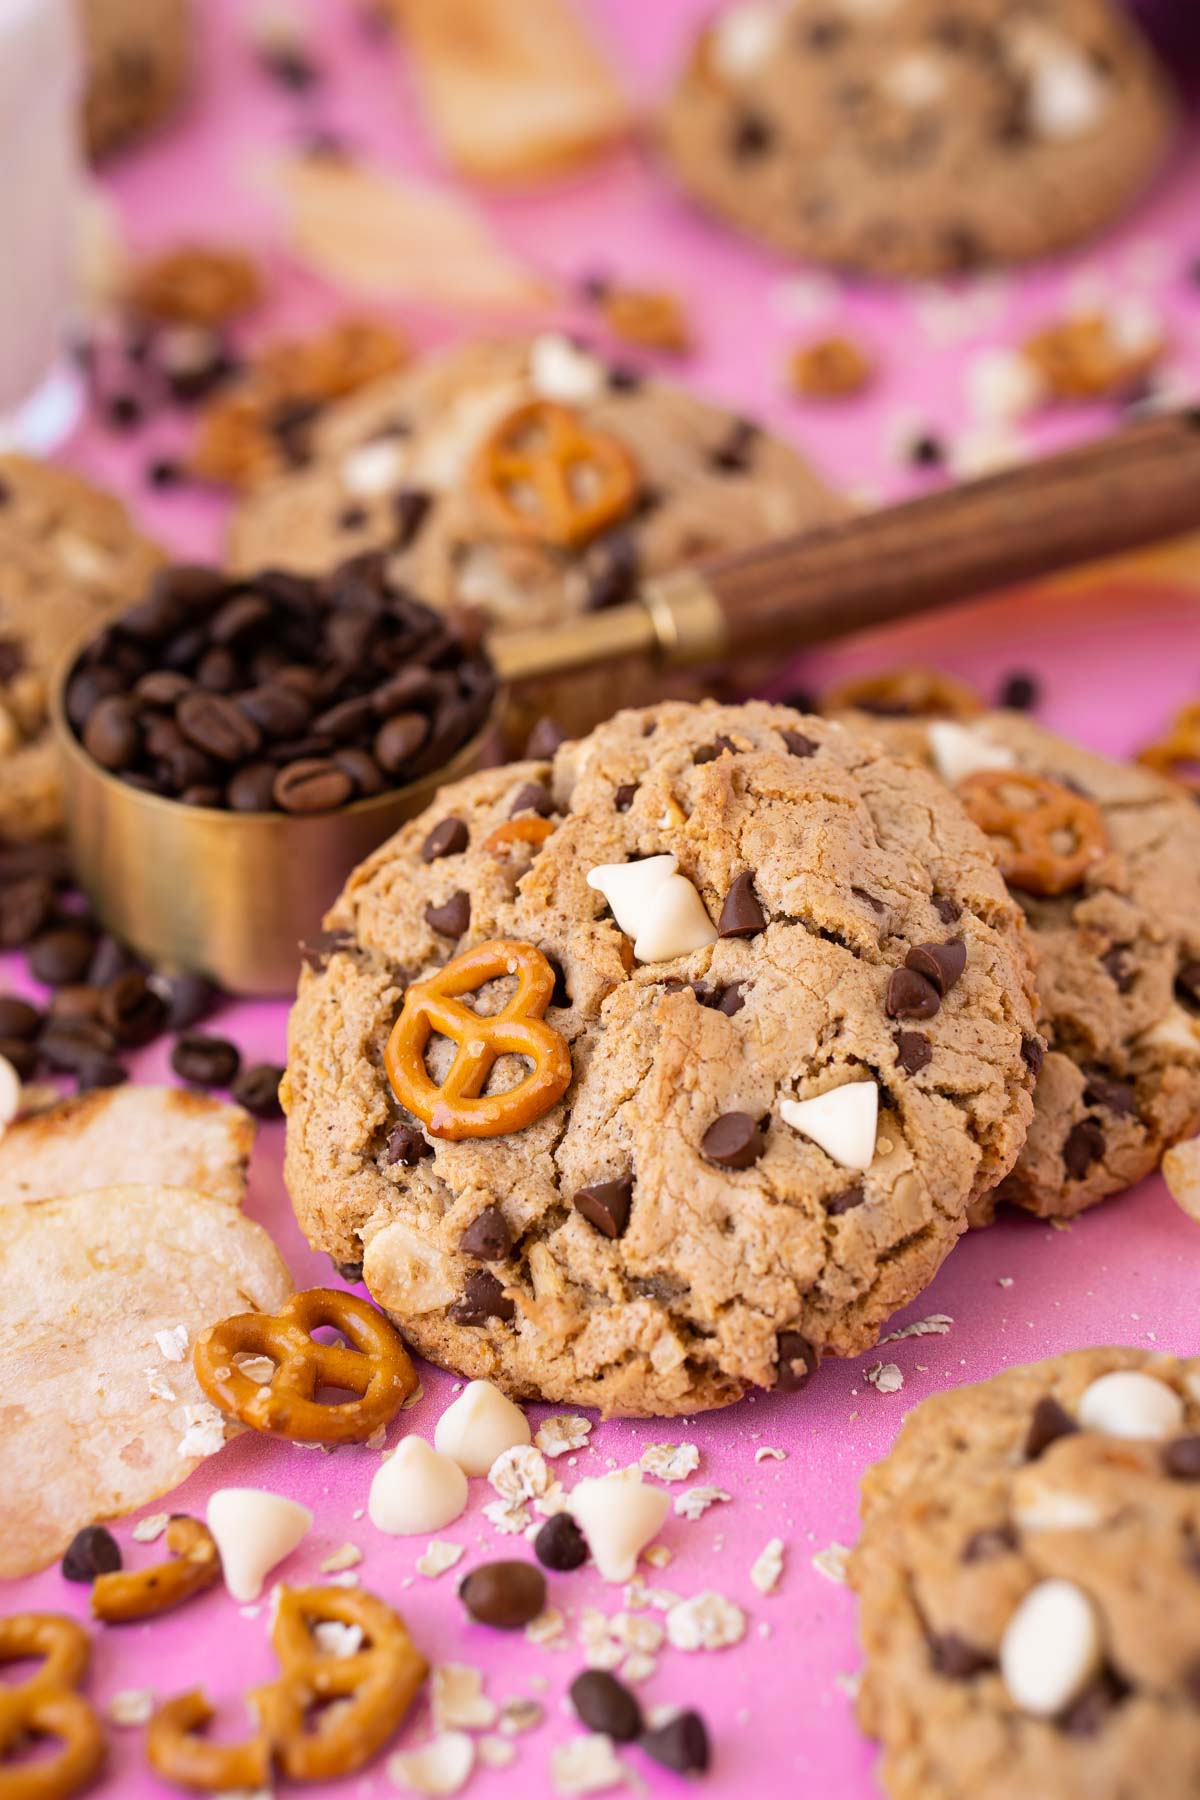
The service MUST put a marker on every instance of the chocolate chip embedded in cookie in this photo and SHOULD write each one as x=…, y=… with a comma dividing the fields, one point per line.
x=907, y=138
x=739, y=1166
x=1029, y=1586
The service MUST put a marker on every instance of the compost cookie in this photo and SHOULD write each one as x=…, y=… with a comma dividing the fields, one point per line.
x=915, y=137
x=1030, y=1586
x=632, y=1207
x=1118, y=952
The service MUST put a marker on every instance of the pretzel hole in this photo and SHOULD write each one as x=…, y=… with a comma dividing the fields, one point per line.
x=32, y=1747
x=15, y=1671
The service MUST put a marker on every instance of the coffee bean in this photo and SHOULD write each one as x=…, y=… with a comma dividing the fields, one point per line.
x=99, y=1072
x=487, y=1236
x=910, y=996
x=605, y=1704
x=279, y=711
x=188, y=999
x=955, y=1658
x=1181, y=1458
x=797, y=1362
x=798, y=744
x=742, y=915
x=533, y=797
x=111, y=736
x=238, y=619
x=62, y=955
x=941, y=964
x=624, y=797
x=257, y=1089
x=91, y=1552
x=68, y=1045
x=734, y=1141
x=218, y=726
x=681, y=1744
x=252, y=789
x=18, y=1019
x=347, y=719
x=217, y=671
x=406, y=1145
x=399, y=740
x=132, y=1011
x=363, y=770
x=452, y=917
x=312, y=785
x=1083, y=1146
x=109, y=959
x=26, y=905
x=560, y=1545
x=208, y=1062
x=846, y=1201
x=448, y=838
x=21, y=1057
x=1050, y=1421
x=543, y=741
x=506, y=1595
x=482, y=1298
x=606, y=1205
x=913, y=1051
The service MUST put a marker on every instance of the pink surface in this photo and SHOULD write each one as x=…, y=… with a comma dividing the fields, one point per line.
x=1113, y=663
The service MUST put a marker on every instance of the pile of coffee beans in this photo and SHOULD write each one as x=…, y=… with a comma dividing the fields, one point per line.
x=274, y=692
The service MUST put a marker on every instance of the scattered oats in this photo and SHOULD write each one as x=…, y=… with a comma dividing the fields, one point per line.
x=831, y=1562
x=638, y=1667
x=378, y=1438
x=670, y=1462
x=708, y=1621
x=586, y=1765
x=519, y=1474
x=496, y=1752
x=507, y=1517
x=347, y=1578
x=886, y=1377
x=173, y=1343
x=346, y=1556
x=131, y=1706
x=459, y=1702
x=599, y=1649
x=441, y=1766
x=159, y=1386
x=518, y=1715
x=800, y=299
x=562, y=1432
x=255, y=1368
x=661, y=1599
x=205, y=1433
x=936, y=1325
x=360, y=1512
x=554, y=1500
x=1004, y=1281
x=694, y=1502
x=414, y=1399
x=548, y=1626
x=336, y=1638
x=637, y=1633
x=768, y=1566
x=439, y=1556
x=658, y=1555
x=151, y=1527
x=769, y=1453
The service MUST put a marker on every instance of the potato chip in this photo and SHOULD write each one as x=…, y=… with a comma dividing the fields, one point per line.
x=167, y=1136
x=517, y=92
x=104, y=1293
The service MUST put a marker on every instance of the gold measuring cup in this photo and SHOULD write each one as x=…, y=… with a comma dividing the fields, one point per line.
x=233, y=894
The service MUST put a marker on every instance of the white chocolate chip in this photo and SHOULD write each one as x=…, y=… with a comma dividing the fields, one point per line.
x=744, y=37
x=841, y=1122
x=675, y=923
x=561, y=371
x=1128, y=1404
x=618, y=1515
x=958, y=752
x=1003, y=385
x=1050, y=1649
x=253, y=1530
x=373, y=469
x=417, y=1490
x=442, y=1766
x=459, y=1702
x=10, y=1093
x=1067, y=98
x=130, y=1706
x=1181, y=1172
x=479, y=1426
x=917, y=79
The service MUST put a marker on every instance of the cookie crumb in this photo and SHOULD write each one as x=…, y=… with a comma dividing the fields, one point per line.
x=438, y=1557
x=832, y=1561
x=670, y=1462
x=767, y=1568
x=694, y=1502
x=130, y=1706
x=347, y=1556
x=708, y=1621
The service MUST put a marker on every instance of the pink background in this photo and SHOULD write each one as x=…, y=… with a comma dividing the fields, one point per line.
x=1114, y=662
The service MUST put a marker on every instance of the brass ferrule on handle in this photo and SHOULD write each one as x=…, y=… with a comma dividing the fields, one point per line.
x=676, y=622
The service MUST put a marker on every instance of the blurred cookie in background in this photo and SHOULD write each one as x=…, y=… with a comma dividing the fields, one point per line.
x=138, y=56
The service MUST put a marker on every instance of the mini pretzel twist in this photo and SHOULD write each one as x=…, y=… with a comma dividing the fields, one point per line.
x=458, y=1109
x=142, y=1593
x=1177, y=753
x=543, y=474
x=373, y=1365
x=909, y=691
x=373, y=1688
x=528, y=830
x=47, y=1705
x=1046, y=836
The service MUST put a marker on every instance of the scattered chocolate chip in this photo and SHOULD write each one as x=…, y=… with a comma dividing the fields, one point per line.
x=616, y=578
x=742, y=915
x=1084, y=1145
x=926, y=451
x=410, y=506
x=914, y=1051
x=62, y=956
x=133, y=1012
x=957, y=1659
x=290, y=66
x=1050, y=1421
x=91, y=1552
x=543, y=741
x=257, y=1089
x=1086, y=1715
x=351, y=1272
x=797, y=1362
x=406, y=1145
x=1020, y=691
x=209, y=1062
x=164, y=472
x=992, y=1540
x=1187, y=983
x=448, y=838
x=560, y=1545
x=947, y=909
x=732, y=456
x=606, y=1205
x=18, y=1019
x=1114, y=1096
x=452, y=917
x=624, y=797
x=846, y=1201
x=505, y=1595
x=1181, y=1458
x=941, y=964
x=124, y=412
x=720, y=746
x=681, y=1744
x=734, y=1141
x=487, y=1236
x=535, y=797
x=910, y=995
x=605, y=1704
x=26, y=905
x=482, y=1298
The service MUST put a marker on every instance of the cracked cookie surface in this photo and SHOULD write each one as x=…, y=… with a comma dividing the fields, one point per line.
x=989, y=1492
x=831, y=861
x=1118, y=977
x=916, y=137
